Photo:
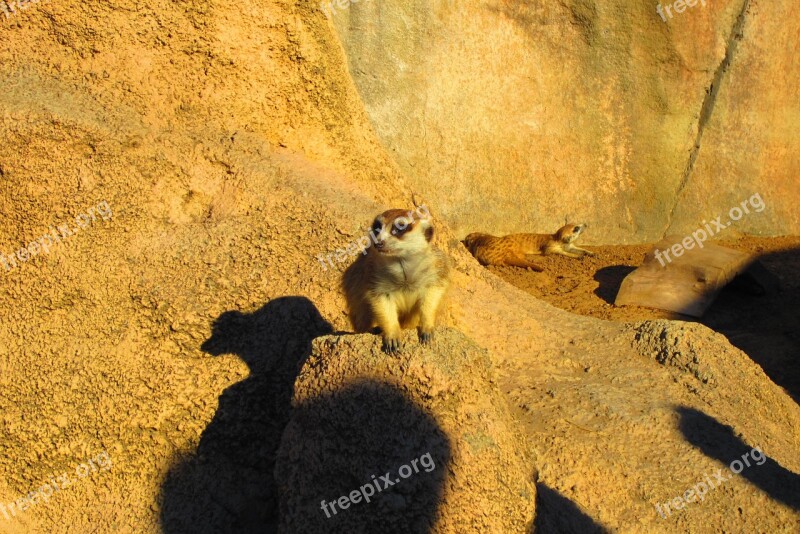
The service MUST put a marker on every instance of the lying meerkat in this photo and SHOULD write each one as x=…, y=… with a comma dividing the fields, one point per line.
x=400, y=281
x=515, y=249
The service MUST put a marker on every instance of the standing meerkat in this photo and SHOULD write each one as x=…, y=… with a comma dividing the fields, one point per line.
x=398, y=282
x=516, y=249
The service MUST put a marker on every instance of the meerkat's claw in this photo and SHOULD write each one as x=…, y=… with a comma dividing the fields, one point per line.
x=390, y=345
x=425, y=337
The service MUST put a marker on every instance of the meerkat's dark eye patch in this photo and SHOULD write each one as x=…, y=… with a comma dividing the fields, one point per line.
x=576, y=229
x=376, y=227
x=428, y=233
x=400, y=231
x=401, y=226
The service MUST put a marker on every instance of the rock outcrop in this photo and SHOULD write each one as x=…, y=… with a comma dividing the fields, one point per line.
x=514, y=116
x=429, y=429
x=232, y=146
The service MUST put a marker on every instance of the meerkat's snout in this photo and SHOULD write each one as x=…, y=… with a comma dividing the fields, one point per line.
x=380, y=244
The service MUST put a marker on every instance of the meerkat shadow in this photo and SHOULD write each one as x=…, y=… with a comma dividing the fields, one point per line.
x=228, y=484
x=556, y=513
x=610, y=279
x=718, y=441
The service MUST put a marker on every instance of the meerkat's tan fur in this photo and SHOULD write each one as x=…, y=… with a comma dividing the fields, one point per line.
x=400, y=281
x=516, y=249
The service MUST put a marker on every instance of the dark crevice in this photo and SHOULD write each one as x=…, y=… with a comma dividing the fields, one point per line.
x=708, y=106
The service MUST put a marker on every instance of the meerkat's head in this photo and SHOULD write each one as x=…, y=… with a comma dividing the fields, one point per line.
x=470, y=240
x=401, y=232
x=570, y=232
x=474, y=240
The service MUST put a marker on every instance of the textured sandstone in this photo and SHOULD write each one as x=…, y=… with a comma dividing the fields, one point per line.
x=515, y=116
x=359, y=413
x=233, y=147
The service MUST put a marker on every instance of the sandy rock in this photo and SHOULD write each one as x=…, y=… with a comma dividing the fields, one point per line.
x=359, y=413
x=233, y=146
x=528, y=113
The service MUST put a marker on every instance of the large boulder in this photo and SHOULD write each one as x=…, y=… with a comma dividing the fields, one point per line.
x=426, y=438
x=513, y=116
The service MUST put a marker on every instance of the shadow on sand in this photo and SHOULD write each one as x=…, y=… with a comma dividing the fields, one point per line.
x=765, y=326
x=556, y=514
x=364, y=439
x=337, y=442
x=719, y=442
x=609, y=280
x=228, y=484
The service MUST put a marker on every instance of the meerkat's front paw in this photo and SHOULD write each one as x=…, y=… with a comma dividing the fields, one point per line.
x=589, y=253
x=425, y=337
x=391, y=345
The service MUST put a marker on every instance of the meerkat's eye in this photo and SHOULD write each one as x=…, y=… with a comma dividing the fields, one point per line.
x=576, y=229
x=376, y=227
x=401, y=226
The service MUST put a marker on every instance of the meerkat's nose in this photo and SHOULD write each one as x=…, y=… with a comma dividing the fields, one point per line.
x=379, y=244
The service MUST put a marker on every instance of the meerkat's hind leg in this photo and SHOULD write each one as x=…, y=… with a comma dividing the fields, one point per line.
x=522, y=261
x=428, y=306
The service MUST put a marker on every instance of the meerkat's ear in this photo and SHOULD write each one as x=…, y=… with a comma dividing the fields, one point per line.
x=422, y=212
x=420, y=205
